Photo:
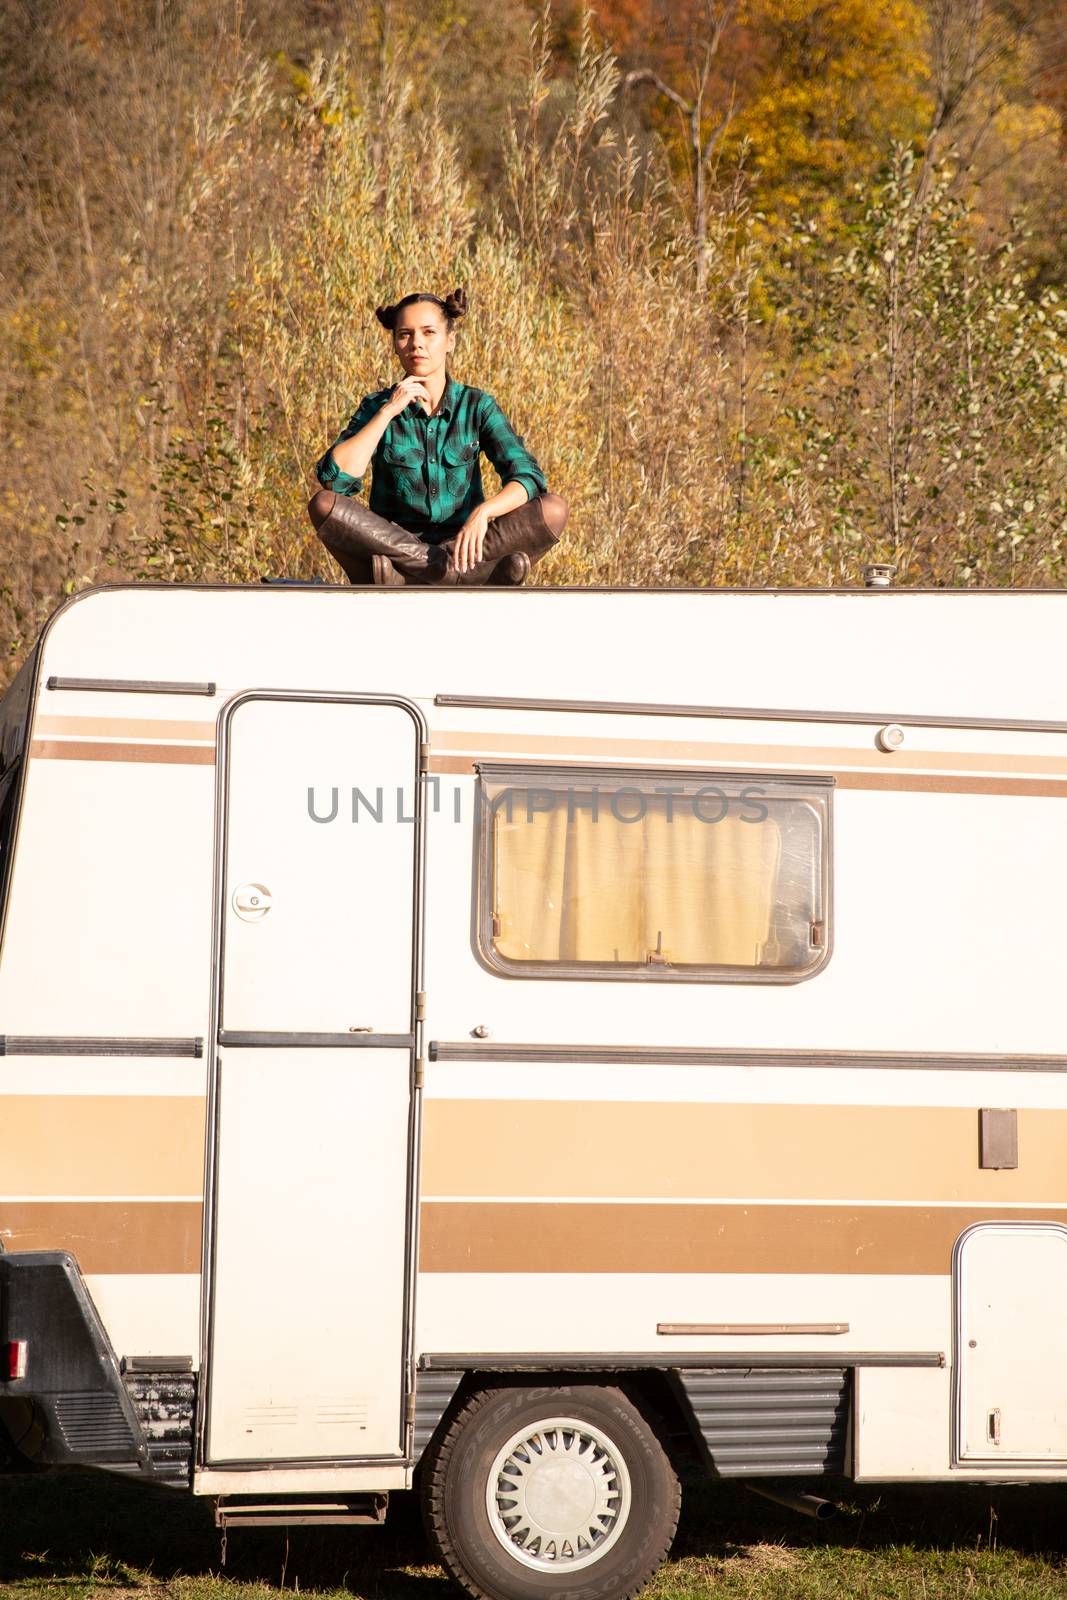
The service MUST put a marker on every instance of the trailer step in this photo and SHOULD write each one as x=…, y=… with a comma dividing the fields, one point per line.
x=240, y=1512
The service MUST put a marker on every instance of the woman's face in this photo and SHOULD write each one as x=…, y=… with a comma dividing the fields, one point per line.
x=422, y=340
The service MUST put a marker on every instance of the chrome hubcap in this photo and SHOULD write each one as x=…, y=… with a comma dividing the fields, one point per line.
x=558, y=1494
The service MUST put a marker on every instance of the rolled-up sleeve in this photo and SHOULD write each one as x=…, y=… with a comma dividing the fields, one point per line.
x=327, y=471
x=506, y=451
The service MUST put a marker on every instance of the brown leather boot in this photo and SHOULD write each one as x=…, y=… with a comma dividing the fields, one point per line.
x=384, y=573
x=511, y=572
x=352, y=534
x=527, y=531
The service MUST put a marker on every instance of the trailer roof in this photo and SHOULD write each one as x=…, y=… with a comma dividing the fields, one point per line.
x=904, y=654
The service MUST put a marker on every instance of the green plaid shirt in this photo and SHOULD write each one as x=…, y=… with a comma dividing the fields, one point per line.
x=427, y=470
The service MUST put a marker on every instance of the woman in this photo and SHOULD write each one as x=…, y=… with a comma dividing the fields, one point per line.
x=429, y=520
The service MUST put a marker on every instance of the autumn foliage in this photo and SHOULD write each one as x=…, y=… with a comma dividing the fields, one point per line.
x=774, y=288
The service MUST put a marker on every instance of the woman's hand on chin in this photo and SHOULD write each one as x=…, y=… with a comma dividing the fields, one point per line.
x=467, y=549
x=407, y=390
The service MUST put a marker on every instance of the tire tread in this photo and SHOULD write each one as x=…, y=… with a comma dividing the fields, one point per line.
x=433, y=1497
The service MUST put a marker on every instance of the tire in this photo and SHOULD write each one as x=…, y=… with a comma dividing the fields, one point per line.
x=556, y=1491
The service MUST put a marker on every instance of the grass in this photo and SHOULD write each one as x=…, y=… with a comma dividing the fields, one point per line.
x=67, y=1535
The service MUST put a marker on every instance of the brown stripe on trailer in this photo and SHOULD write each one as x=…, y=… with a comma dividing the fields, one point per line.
x=113, y=750
x=122, y=1237
x=96, y=1145
x=681, y=1150
x=930, y=783
x=197, y=755
x=510, y=1236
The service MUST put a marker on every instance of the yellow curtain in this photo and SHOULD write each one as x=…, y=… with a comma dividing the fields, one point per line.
x=669, y=887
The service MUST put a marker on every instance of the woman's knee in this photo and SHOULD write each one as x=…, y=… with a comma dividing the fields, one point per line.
x=554, y=509
x=320, y=505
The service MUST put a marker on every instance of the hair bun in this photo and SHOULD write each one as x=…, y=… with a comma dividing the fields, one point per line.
x=456, y=303
x=386, y=316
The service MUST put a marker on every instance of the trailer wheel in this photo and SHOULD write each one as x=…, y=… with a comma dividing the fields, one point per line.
x=539, y=1492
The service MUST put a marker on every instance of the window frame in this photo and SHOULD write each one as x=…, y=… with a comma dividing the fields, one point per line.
x=520, y=775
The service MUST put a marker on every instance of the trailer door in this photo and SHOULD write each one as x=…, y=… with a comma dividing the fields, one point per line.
x=1012, y=1311
x=313, y=1107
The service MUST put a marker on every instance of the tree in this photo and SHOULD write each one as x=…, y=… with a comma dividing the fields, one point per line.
x=930, y=390
x=701, y=139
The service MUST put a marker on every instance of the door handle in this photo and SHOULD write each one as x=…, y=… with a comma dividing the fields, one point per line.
x=251, y=901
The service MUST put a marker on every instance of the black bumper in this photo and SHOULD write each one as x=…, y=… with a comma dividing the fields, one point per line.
x=75, y=1405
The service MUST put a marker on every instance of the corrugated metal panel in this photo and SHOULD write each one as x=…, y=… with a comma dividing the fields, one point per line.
x=433, y=1392
x=770, y=1422
x=165, y=1403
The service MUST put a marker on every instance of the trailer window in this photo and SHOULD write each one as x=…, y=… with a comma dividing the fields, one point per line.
x=654, y=875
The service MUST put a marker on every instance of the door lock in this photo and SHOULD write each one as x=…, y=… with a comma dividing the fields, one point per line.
x=251, y=901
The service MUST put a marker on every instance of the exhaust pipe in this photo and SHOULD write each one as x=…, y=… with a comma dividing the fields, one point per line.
x=809, y=1505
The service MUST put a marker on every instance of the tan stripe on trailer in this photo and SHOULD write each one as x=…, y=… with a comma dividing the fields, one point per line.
x=101, y=1145
x=688, y=1150
x=927, y=783
x=599, y=747
x=491, y=1236
x=160, y=728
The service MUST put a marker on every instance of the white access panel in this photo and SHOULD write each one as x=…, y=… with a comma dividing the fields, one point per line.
x=307, y=1350
x=327, y=949
x=1012, y=1288
x=309, y=1278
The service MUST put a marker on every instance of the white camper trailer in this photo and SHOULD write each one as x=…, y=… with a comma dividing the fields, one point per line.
x=488, y=1040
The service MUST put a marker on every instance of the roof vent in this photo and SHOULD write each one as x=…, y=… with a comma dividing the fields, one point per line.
x=879, y=575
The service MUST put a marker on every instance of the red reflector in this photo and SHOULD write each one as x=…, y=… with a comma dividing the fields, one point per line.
x=15, y=1365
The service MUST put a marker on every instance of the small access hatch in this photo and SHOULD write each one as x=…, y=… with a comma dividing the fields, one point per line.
x=1011, y=1285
